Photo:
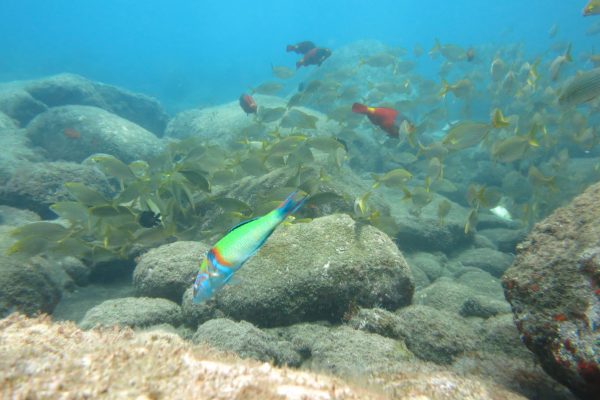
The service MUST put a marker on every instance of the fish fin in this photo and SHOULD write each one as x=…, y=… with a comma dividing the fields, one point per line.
x=290, y=205
x=242, y=223
x=359, y=108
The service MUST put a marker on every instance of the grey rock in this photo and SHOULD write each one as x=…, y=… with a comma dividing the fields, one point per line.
x=489, y=260
x=7, y=122
x=133, y=312
x=168, y=270
x=444, y=294
x=483, y=307
x=482, y=283
x=27, y=286
x=19, y=156
x=42, y=184
x=100, y=132
x=435, y=335
x=77, y=271
x=223, y=124
x=431, y=264
x=315, y=271
x=196, y=314
x=506, y=240
x=501, y=336
x=344, y=351
x=376, y=320
x=247, y=341
x=20, y=105
x=16, y=217
x=70, y=89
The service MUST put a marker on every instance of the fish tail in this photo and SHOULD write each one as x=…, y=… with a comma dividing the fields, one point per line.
x=290, y=47
x=290, y=205
x=359, y=108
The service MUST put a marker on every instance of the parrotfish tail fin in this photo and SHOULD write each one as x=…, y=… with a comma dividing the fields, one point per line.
x=290, y=47
x=359, y=108
x=293, y=202
x=568, y=56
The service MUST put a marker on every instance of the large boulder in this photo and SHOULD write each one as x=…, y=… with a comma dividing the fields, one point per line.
x=489, y=260
x=134, y=312
x=167, y=271
x=317, y=271
x=70, y=89
x=554, y=290
x=7, y=122
x=20, y=105
x=247, y=341
x=344, y=351
x=228, y=123
x=36, y=186
x=17, y=153
x=73, y=133
x=27, y=286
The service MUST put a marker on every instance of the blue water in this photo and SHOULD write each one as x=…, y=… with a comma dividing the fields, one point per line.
x=207, y=52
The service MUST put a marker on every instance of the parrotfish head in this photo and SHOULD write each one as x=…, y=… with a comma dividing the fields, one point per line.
x=202, y=288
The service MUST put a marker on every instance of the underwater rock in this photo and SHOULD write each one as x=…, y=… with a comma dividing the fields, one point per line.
x=488, y=260
x=375, y=320
x=431, y=264
x=35, y=186
x=120, y=363
x=222, y=124
x=27, y=286
x=71, y=89
x=15, y=217
x=167, y=271
x=449, y=295
x=73, y=133
x=317, y=271
x=506, y=240
x=501, y=336
x=344, y=351
x=247, y=341
x=425, y=233
x=133, y=312
x=483, y=307
x=20, y=105
x=19, y=156
x=196, y=314
x=77, y=271
x=554, y=290
x=7, y=122
x=435, y=335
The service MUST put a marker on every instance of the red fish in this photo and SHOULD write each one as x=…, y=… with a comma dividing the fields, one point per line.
x=387, y=119
x=72, y=133
x=315, y=56
x=248, y=104
x=301, y=48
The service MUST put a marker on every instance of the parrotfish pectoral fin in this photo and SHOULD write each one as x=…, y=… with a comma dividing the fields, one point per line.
x=293, y=202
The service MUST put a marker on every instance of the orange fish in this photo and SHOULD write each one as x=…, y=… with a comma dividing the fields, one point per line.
x=248, y=104
x=387, y=119
x=314, y=56
x=72, y=133
x=301, y=48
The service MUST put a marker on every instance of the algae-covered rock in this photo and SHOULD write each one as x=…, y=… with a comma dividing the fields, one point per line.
x=489, y=260
x=20, y=105
x=435, y=335
x=71, y=89
x=554, y=287
x=247, y=341
x=36, y=186
x=7, y=122
x=316, y=271
x=169, y=270
x=133, y=312
x=17, y=155
x=344, y=351
x=90, y=130
x=27, y=286
x=504, y=239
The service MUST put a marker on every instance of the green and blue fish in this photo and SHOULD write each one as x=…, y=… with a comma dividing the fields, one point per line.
x=234, y=249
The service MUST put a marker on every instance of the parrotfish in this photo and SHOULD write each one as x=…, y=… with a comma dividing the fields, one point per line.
x=237, y=246
x=248, y=104
x=314, y=56
x=301, y=48
x=387, y=119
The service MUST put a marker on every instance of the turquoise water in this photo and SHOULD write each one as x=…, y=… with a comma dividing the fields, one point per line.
x=206, y=52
